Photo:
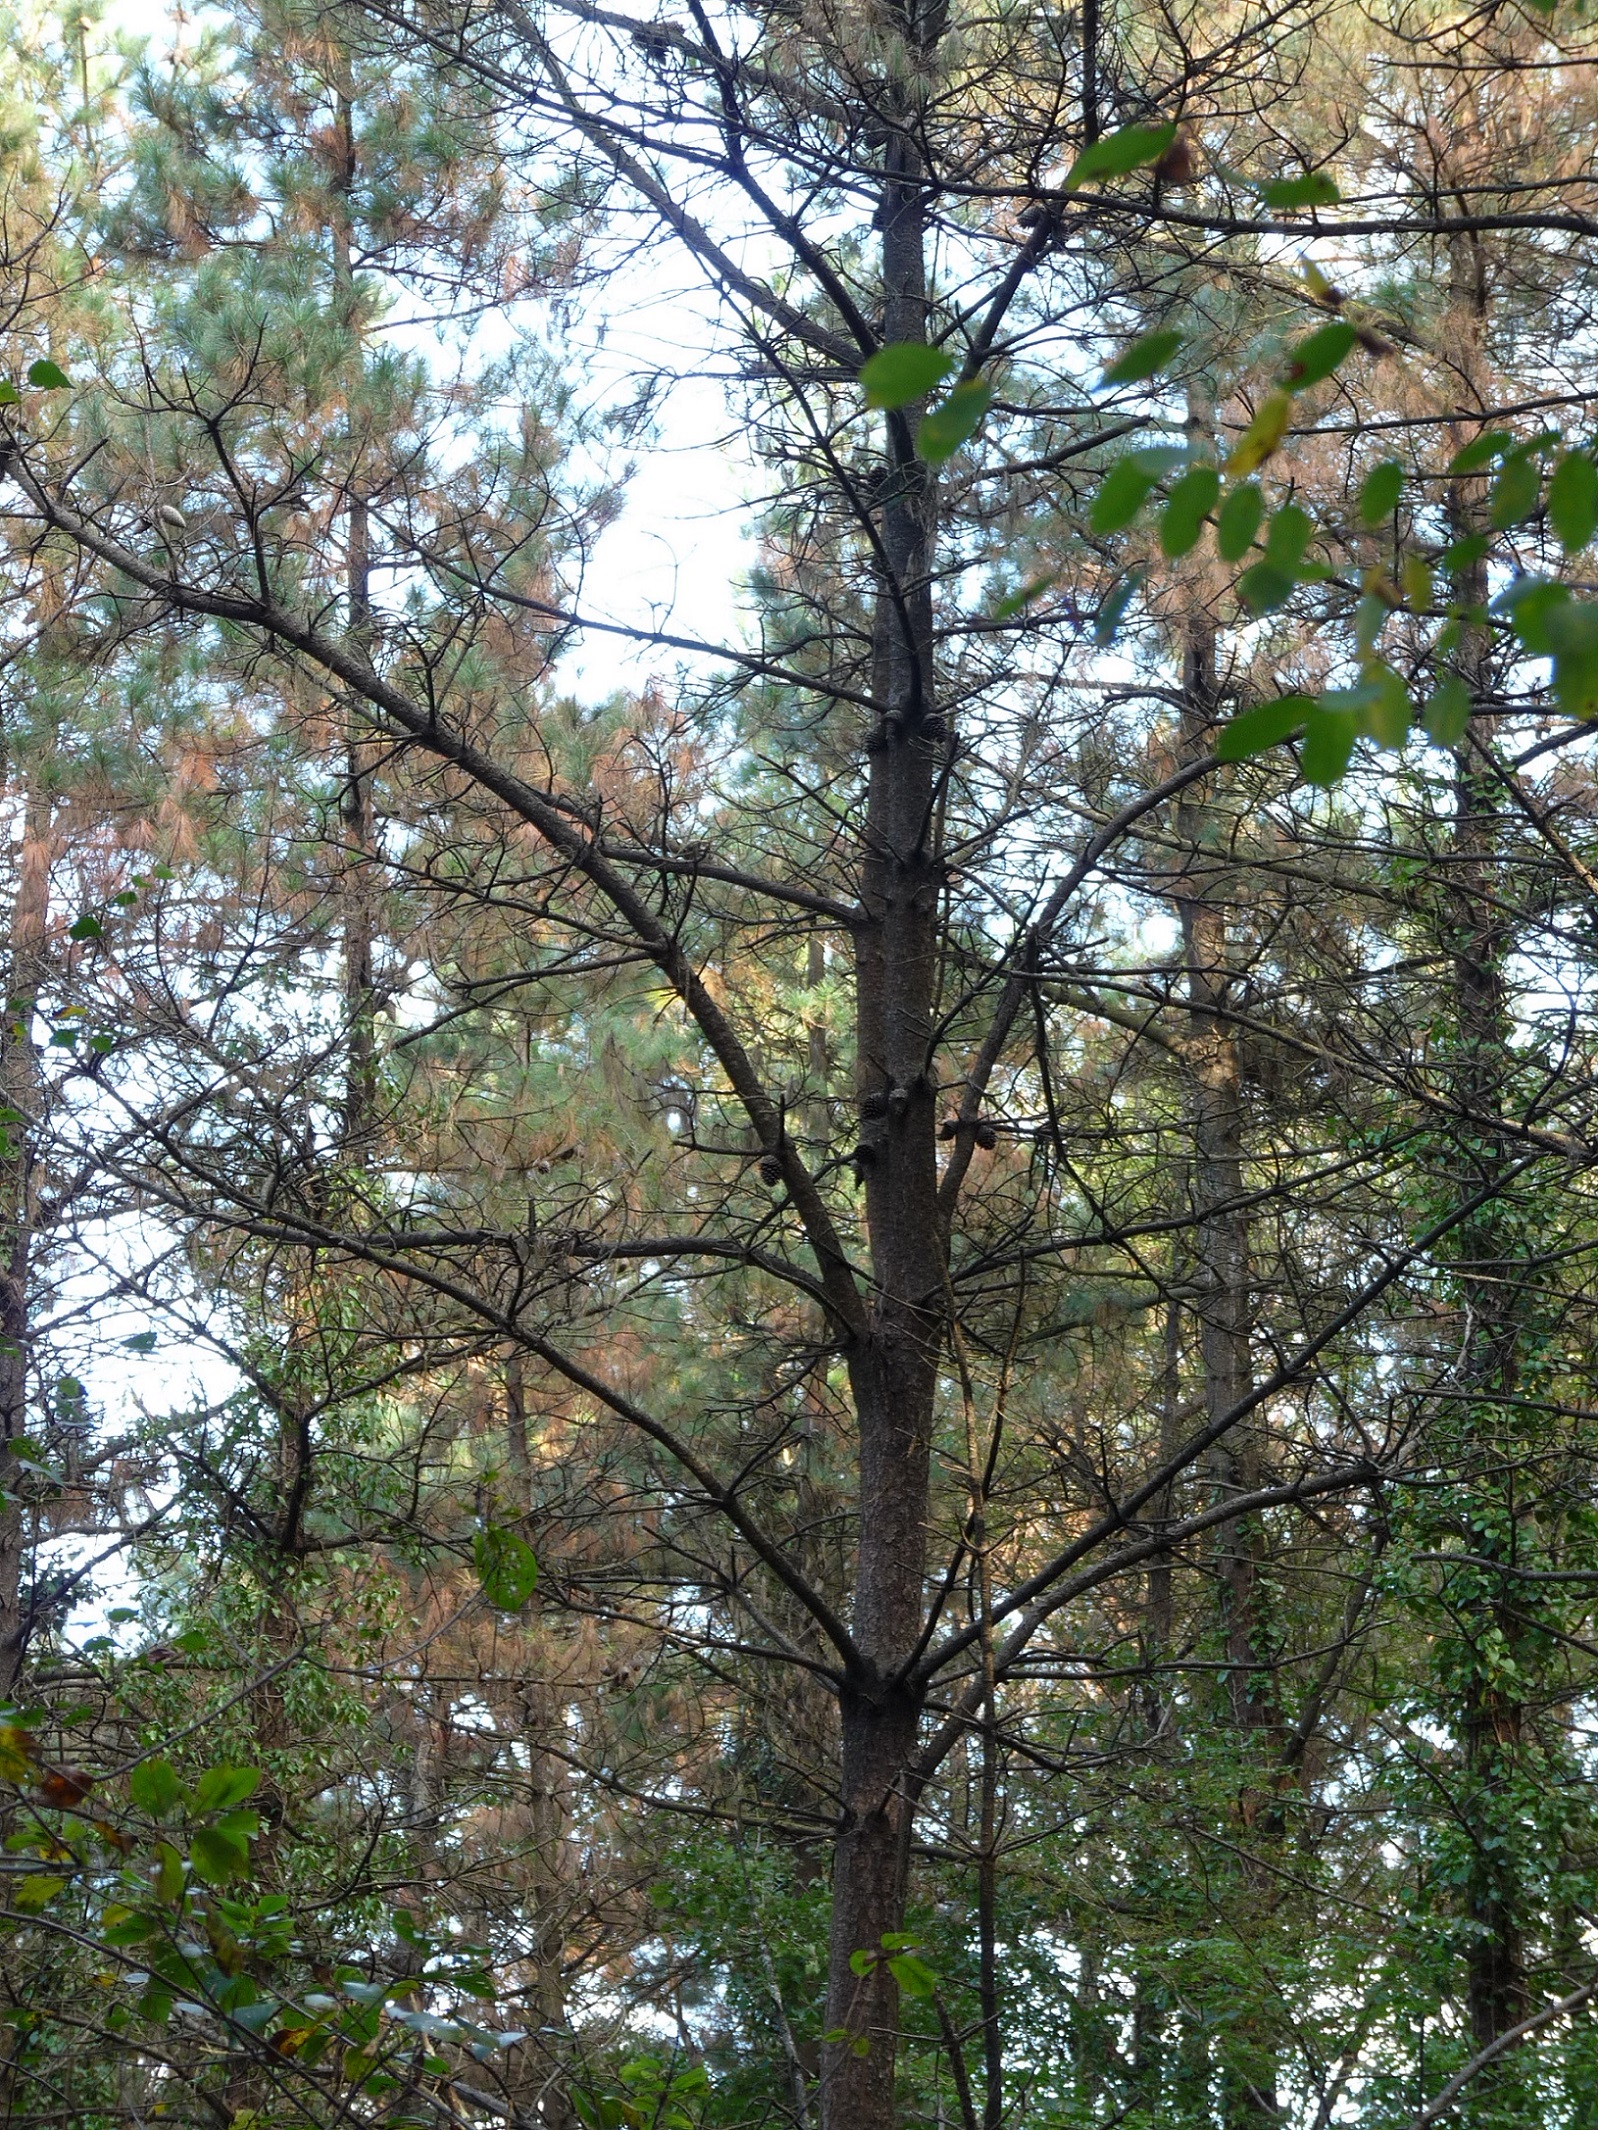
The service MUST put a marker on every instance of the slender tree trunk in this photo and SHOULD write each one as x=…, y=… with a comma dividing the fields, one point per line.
x=1490, y=1716
x=549, y=1890
x=359, y=862
x=893, y=1368
x=1216, y=1087
x=20, y=1091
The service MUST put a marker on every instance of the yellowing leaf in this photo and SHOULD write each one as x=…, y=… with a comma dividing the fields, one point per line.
x=35, y=1891
x=1264, y=434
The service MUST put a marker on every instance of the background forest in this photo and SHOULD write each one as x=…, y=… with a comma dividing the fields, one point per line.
x=820, y=1355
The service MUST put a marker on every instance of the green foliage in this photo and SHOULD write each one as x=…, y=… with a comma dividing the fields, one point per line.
x=1128, y=484
x=1239, y=520
x=1379, y=492
x=1146, y=357
x=507, y=1568
x=1262, y=727
x=1314, y=358
x=900, y=374
x=1315, y=188
x=1118, y=154
x=954, y=421
x=1187, y=507
x=1573, y=501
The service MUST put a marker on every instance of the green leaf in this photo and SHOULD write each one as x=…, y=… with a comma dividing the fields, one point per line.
x=141, y=1342
x=1318, y=355
x=1109, y=617
x=1379, y=493
x=1144, y=358
x=1420, y=587
x=506, y=1567
x=1238, y=521
x=86, y=927
x=36, y=1891
x=913, y=1976
x=169, y=1880
x=954, y=421
x=9, y=395
x=1464, y=554
x=1480, y=451
x=1287, y=536
x=129, y=1929
x=903, y=372
x=154, y=1787
x=1131, y=148
x=1263, y=434
x=221, y=1787
x=1370, y=618
x=1013, y=602
x=1447, y=713
x=1516, y=492
x=863, y=1961
x=1571, y=631
x=1189, y=503
x=48, y=376
x=1328, y=742
x=1125, y=488
x=1385, y=709
x=1258, y=729
x=218, y=1856
x=1573, y=501
x=1530, y=603
x=1313, y=189
x=360, y=1992
x=1265, y=587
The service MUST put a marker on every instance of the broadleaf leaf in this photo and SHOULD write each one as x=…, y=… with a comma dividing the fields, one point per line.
x=954, y=421
x=1146, y=357
x=903, y=372
x=507, y=1568
x=1116, y=154
x=1313, y=189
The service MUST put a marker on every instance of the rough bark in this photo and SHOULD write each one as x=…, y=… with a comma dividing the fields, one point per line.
x=1224, y=1308
x=1477, y=938
x=20, y=1091
x=549, y=1888
x=893, y=1366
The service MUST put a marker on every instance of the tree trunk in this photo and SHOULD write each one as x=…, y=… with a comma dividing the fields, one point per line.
x=1215, y=1079
x=549, y=1888
x=1477, y=937
x=356, y=886
x=20, y=1090
x=893, y=1367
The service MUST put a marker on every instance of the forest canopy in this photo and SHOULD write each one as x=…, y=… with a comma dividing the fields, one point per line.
x=815, y=1351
